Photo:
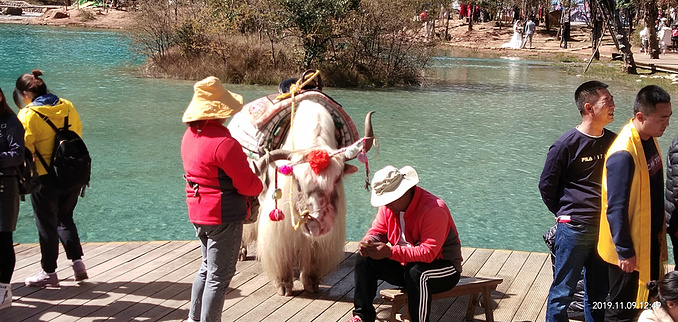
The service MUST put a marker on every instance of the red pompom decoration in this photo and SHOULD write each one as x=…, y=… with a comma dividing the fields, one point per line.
x=276, y=215
x=318, y=160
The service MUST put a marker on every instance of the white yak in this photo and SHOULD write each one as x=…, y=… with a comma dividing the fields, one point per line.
x=317, y=202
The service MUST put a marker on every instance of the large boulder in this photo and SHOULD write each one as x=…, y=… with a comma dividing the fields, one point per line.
x=14, y=11
x=55, y=14
x=60, y=15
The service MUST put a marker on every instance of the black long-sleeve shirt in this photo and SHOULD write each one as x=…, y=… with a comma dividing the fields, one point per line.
x=570, y=183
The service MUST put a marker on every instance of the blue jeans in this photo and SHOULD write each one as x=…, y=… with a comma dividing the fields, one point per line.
x=219, y=245
x=575, y=248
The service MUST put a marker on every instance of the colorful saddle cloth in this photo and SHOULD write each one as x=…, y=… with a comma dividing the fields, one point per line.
x=262, y=125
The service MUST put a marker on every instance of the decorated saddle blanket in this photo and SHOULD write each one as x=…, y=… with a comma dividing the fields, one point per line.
x=262, y=125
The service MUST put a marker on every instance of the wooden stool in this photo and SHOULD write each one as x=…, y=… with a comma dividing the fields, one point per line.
x=472, y=286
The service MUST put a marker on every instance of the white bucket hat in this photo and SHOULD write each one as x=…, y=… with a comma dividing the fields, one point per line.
x=389, y=184
x=211, y=101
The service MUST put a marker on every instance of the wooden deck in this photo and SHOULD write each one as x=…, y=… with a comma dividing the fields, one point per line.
x=151, y=281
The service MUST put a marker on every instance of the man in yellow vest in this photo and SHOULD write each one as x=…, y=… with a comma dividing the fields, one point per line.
x=632, y=237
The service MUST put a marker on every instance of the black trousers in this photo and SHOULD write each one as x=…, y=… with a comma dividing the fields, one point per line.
x=420, y=280
x=9, y=209
x=7, y=257
x=53, y=210
x=624, y=288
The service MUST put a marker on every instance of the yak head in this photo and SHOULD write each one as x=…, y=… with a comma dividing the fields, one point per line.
x=314, y=181
x=317, y=189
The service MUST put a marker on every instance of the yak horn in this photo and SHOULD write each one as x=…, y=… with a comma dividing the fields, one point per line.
x=369, y=132
x=272, y=156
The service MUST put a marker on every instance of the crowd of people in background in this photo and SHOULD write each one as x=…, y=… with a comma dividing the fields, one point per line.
x=666, y=31
x=524, y=25
x=476, y=13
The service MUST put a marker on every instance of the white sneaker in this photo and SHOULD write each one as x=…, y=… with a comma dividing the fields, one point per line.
x=42, y=279
x=5, y=296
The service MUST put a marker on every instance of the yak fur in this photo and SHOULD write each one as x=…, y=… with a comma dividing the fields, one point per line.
x=317, y=246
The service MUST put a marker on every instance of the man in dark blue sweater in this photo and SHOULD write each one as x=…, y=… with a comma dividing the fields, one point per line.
x=570, y=186
x=632, y=237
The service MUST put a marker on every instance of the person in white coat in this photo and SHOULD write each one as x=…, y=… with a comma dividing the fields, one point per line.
x=664, y=35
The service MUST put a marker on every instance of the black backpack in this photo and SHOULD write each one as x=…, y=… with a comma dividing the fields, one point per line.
x=71, y=164
x=27, y=173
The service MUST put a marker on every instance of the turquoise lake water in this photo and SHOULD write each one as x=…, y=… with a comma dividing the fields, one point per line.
x=479, y=141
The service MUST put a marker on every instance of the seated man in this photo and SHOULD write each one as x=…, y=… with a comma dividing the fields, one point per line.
x=412, y=243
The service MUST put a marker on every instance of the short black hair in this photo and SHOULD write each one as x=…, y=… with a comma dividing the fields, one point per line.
x=648, y=97
x=587, y=92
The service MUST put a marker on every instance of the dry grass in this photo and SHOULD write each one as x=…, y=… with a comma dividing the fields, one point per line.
x=239, y=61
x=85, y=15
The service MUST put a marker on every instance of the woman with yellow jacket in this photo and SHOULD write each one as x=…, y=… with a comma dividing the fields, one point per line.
x=52, y=206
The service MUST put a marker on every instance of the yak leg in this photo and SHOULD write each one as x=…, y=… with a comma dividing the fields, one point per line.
x=308, y=265
x=249, y=235
x=320, y=255
x=249, y=232
x=310, y=280
x=242, y=254
x=284, y=285
x=275, y=249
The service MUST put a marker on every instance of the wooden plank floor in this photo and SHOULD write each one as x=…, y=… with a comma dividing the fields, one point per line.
x=151, y=281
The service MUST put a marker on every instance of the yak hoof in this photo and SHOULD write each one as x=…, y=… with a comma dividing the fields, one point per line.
x=242, y=255
x=311, y=285
x=285, y=289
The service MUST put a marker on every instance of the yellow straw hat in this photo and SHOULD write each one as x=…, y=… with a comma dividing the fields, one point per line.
x=211, y=101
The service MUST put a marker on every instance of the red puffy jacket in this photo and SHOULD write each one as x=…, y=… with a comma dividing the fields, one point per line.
x=216, y=165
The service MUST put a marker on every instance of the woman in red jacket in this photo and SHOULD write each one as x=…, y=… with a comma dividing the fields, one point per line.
x=218, y=180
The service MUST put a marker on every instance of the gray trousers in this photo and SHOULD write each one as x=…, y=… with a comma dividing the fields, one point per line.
x=527, y=38
x=219, y=245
